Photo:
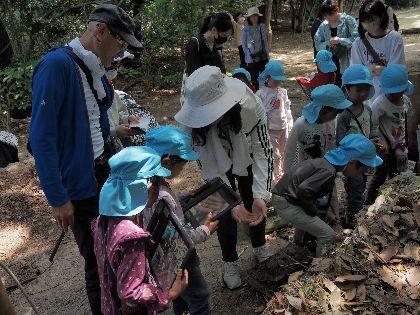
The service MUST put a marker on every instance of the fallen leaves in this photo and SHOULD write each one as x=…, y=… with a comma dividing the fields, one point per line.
x=376, y=270
x=388, y=253
x=295, y=302
x=345, y=278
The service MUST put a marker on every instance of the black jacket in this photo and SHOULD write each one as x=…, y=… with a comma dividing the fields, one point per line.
x=198, y=54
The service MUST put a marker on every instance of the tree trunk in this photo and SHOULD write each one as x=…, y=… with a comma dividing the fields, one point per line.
x=268, y=11
x=6, y=51
x=301, y=16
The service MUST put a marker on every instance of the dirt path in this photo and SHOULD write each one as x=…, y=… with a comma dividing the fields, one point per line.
x=27, y=233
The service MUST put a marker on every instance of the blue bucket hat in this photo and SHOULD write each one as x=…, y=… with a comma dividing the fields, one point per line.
x=325, y=95
x=125, y=191
x=354, y=147
x=394, y=79
x=274, y=69
x=243, y=71
x=171, y=140
x=326, y=64
x=359, y=74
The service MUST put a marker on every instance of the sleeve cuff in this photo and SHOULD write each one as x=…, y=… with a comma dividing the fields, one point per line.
x=265, y=196
x=113, y=132
x=206, y=230
x=124, y=119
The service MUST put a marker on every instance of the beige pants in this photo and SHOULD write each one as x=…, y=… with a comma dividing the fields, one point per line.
x=278, y=140
x=304, y=223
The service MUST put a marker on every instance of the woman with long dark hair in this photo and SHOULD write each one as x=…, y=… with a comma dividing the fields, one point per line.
x=337, y=34
x=377, y=47
x=207, y=47
x=228, y=126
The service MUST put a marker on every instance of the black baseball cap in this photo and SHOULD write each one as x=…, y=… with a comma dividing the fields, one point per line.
x=118, y=21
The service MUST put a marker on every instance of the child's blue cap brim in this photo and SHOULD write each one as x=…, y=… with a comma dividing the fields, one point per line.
x=278, y=77
x=408, y=89
x=340, y=158
x=190, y=156
x=327, y=67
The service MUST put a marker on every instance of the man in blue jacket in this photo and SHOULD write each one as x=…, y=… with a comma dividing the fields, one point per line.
x=71, y=96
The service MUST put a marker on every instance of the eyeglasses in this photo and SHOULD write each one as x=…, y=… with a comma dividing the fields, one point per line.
x=120, y=41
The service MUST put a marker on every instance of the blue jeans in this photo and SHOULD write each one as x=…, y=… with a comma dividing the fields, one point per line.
x=355, y=190
x=195, y=298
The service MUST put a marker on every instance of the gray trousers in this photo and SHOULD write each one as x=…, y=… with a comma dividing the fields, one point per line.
x=304, y=223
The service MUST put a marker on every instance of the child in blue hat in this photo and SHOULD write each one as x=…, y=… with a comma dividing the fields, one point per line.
x=295, y=195
x=325, y=75
x=121, y=241
x=314, y=132
x=389, y=118
x=277, y=107
x=243, y=75
x=356, y=119
x=175, y=147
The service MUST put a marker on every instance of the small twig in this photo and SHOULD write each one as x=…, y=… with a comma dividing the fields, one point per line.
x=20, y=287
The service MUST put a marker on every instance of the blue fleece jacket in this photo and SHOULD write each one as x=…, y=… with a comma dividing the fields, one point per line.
x=59, y=133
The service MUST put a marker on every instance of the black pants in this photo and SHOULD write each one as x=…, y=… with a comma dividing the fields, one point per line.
x=255, y=69
x=227, y=230
x=85, y=211
x=242, y=56
x=195, y=298
x=387, y=169
x=338, y=74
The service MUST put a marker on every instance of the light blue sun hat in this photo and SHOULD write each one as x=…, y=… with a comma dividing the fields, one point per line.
x=274, y=69
x=324, y=95
x=243, y=71
x=125, y=191
x=394, y=79
x=171, y=140
x=359, y=74
x=326, y=64
x=354, y=147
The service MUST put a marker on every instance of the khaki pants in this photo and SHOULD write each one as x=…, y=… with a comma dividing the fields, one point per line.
x=304, y=223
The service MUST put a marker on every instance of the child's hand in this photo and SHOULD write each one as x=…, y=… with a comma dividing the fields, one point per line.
x=376, y=70
x=211, y=225
x=180, y=284
x=124, y=131
x=134, y=118
x=241, y=215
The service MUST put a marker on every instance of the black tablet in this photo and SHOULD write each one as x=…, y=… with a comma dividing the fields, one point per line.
x=214, y=196
x=173, y=248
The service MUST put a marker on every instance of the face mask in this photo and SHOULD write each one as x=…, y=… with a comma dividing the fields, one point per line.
x=220, y=40
x=371, y=27
x=111, y=74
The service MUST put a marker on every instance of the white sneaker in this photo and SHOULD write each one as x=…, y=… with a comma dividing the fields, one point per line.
x=231, y=276
x=262, y=253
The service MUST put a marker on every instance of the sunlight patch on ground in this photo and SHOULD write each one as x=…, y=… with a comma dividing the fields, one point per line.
x=12, y=238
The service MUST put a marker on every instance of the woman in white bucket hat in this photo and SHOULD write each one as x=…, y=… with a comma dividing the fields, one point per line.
x=228, y=126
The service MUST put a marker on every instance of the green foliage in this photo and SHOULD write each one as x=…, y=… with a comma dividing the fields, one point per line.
x=15, y=87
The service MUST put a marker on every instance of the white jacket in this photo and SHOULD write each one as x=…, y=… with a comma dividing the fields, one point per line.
x=253, y=140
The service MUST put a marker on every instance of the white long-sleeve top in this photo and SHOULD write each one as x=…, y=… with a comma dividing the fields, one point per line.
x=390, y=49
x=277, y=107
x=117, y=114
x=388, y=120
x=252, y=141
x=302, y=137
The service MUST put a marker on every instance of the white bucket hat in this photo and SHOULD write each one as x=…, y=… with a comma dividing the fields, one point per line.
x=209, y=94
x=251, y=11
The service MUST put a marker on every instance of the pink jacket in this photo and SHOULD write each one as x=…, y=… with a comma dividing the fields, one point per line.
x=121, y=253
